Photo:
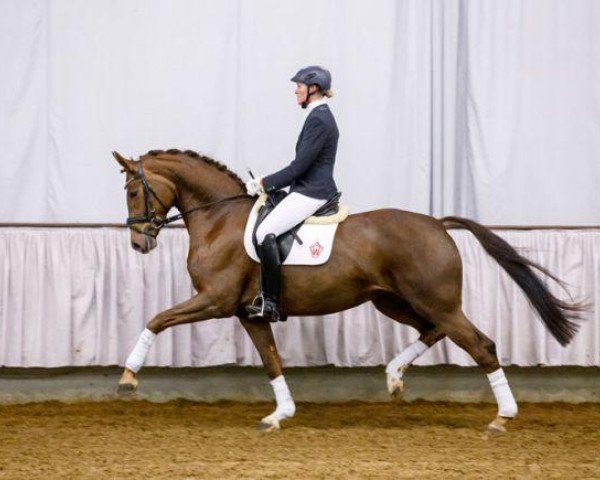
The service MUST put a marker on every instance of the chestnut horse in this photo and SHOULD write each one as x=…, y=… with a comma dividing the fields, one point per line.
x=403, y=262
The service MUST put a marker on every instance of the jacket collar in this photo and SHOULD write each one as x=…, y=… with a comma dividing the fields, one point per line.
x=312, y=105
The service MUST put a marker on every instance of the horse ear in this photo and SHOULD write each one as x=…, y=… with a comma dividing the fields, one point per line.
x=126, y=164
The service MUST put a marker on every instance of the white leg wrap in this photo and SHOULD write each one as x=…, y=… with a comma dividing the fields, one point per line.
x=138, y=355
x=286, y=407
x=397, y=366
x=507, y=406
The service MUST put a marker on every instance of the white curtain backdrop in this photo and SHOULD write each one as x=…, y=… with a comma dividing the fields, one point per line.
x=489, y=109
x=485, y=109
x=82, y=296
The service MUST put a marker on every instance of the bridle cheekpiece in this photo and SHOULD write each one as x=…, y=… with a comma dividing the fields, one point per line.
x=150, y=215
x=150, y=212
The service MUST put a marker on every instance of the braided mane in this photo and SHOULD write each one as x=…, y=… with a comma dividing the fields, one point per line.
x=191, y=153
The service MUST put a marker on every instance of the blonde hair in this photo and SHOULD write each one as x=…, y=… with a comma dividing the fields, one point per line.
x=327, y=93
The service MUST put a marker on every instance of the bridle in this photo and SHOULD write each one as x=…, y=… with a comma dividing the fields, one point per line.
x=150, y=215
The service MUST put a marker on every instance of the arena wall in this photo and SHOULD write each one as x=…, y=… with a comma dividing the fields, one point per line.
x=315, y=384
x=81, y=296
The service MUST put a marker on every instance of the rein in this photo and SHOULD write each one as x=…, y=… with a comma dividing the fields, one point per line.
x=150, y=212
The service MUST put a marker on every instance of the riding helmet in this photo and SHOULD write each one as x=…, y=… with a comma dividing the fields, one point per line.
x=314, y=75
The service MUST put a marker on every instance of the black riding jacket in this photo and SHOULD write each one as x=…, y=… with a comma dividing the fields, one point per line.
x=311, y=172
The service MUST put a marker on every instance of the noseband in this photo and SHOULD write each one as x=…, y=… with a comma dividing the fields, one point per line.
x=150, y=212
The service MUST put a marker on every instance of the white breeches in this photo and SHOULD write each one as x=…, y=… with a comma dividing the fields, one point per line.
x=293, y=209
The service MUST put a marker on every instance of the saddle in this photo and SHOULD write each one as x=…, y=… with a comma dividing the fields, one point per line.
x=286, y=240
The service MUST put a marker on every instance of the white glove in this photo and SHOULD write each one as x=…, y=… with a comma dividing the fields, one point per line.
x=254, y=186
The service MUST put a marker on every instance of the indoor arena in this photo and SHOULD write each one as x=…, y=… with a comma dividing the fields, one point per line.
x=270, y=239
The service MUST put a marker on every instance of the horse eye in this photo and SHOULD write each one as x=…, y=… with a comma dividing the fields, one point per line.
x=133, y=194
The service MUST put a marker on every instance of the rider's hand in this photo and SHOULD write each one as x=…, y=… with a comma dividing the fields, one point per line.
x=254, y=186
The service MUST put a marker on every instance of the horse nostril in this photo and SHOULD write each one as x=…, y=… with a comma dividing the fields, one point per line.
x=136, y=246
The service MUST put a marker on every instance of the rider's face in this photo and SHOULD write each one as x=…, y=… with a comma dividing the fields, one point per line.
x=301, y=91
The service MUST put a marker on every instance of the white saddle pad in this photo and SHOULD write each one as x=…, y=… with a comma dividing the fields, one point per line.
x=317, y=242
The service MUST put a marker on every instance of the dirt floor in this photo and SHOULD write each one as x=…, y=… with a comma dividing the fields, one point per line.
x=185, y=440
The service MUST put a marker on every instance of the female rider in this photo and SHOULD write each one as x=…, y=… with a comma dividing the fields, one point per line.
x=310, y=177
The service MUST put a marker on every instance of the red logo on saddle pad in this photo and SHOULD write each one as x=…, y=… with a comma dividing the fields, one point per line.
x=316, y=249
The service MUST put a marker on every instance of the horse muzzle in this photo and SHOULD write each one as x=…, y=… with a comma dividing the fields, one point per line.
x=144, y=241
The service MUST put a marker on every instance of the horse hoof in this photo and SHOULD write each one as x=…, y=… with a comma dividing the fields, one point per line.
x=497, y=427
x=269, y=424
x=495, y=431
x=397, y=395
x=268, y=427
x=126, y=389
x=395, y=388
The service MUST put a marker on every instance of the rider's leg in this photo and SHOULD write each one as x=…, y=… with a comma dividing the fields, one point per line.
x=292, y=210
x=270, y=281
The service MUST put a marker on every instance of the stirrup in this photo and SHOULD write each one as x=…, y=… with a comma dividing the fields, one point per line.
x=267, y=309
x=257, y=307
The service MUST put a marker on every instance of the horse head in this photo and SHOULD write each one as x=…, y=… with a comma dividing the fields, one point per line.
x=150, y=196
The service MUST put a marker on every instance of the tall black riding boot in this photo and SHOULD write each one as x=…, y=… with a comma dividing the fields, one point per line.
x=265, y=304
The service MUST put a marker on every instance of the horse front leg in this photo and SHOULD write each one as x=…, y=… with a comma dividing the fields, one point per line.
x=198, y=308
x=261, y=334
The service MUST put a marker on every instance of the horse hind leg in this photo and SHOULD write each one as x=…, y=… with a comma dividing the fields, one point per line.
x=399, y=310
x=483, y=350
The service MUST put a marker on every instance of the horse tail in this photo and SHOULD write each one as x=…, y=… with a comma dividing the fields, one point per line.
x=558, y=316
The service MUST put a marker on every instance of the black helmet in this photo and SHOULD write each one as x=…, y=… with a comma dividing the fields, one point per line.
x=314, y=75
